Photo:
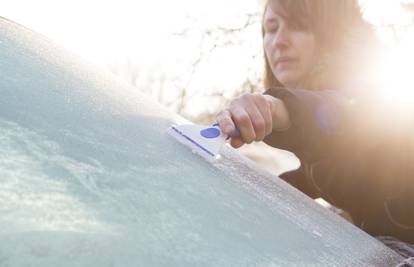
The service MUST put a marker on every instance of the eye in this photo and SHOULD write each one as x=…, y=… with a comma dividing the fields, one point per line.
x=272, y=28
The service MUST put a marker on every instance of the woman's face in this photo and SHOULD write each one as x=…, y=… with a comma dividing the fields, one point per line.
x=289, y=48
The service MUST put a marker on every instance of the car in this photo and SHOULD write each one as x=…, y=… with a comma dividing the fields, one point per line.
x=90, y=177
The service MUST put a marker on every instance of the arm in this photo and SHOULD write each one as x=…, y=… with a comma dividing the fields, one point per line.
x=317, y=118
x=301, y=121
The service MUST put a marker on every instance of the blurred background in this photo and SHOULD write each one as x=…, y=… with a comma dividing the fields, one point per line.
x=194, y=56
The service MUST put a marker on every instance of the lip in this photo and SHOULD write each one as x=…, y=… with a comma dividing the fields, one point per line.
x=282, y=60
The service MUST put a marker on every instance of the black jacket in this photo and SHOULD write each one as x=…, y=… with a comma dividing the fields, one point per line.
x=355, y=153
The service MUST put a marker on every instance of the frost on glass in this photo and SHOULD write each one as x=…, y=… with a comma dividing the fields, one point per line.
x=89, y=177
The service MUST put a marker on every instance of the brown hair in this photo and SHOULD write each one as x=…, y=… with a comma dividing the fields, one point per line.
x=343, y=40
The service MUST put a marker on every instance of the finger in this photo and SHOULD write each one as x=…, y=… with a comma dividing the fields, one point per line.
x=264, y=109
x=243, y=123
x=236, y=142
x=225, y=122
x=257, y=122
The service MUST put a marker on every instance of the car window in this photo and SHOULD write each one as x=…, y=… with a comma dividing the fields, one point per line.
x=89, y=177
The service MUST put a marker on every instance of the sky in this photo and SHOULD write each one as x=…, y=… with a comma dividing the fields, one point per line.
x=154, y=44
x=163, y=46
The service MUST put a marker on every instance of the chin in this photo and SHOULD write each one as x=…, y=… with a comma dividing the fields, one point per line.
x=288, y=79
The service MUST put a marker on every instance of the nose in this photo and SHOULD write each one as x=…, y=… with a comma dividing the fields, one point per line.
x=282, y=38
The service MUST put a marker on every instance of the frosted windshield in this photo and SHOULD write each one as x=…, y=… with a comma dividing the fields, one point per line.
x=89, y=177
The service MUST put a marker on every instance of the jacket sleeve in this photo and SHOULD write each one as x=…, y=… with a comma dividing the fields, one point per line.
x=318, y=120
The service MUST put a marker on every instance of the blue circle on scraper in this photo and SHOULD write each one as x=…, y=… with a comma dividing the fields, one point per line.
x=210, y=133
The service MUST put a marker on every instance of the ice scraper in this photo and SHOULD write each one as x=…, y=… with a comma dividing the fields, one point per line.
x=203, y=140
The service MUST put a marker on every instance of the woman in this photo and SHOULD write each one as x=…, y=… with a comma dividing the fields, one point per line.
x=353, y=152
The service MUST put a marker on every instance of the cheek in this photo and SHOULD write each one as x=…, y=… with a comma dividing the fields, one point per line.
x=267, y=46
x=306, y=46
x=311, y=47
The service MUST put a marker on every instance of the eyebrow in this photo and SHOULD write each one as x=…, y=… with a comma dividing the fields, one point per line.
x=273, y=19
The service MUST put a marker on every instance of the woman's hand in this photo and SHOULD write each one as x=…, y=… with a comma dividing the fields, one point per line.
x=255, y=116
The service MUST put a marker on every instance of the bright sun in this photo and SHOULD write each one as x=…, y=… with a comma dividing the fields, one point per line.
x=396, y=74
x=398, y=79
